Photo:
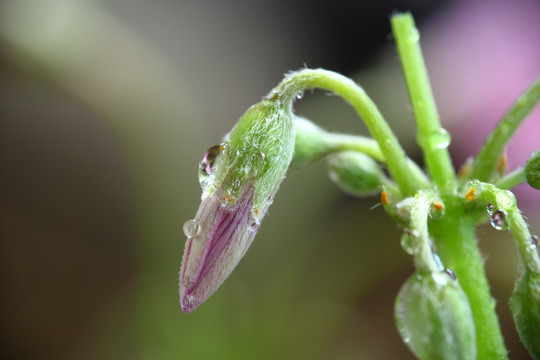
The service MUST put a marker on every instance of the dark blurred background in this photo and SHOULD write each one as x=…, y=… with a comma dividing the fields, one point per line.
x=105, y=110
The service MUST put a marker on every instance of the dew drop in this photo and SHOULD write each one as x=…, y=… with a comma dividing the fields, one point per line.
x=451, y=274
x=191, y=228
x=534, y=241
x=254, y=227
x=299, y=95
x=498, y=220
x=206, y=166
x=406, y=243
x=414, y=35
x=490, y=209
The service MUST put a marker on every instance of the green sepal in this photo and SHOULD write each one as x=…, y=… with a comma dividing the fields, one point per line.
x=434, y=318
x=525, y=308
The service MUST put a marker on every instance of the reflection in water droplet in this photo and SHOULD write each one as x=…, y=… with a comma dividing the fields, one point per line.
x=191, y=228
x=207, y=163
x=534, y=241
x=490, y=209
x=451, y=274
x=498, y=220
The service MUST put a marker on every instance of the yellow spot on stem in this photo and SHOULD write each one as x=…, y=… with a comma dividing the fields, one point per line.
x=502, y=164
x=470, y=194
x=384, y=197
x=438, y=205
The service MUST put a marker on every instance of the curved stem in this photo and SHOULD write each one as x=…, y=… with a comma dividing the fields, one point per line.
x=408, y=181
x=432, y=138
x=506, y=201
x=489, y=154
x=512, y=179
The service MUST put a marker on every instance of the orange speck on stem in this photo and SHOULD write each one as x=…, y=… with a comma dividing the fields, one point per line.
x=502, y=164
x=470, y=194
x=438, y=205
x=384, y=197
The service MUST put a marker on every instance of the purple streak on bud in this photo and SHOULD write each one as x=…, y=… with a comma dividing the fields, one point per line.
x=226, y=233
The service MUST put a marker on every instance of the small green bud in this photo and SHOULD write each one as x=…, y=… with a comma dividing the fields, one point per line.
x=311, y=142
x=434, y=317
x=525, y=308
x=355, y=173
x=532, y=170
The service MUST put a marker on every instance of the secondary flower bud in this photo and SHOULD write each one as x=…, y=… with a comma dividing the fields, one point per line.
x=525, y=308
x=239, y=179
x=532, y=170
x=434, y=317
x=311, y=142
x=355, y=173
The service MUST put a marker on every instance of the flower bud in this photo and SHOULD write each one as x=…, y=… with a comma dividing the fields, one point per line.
x=525, y=308
x=239, y=179
x=532, y=170
x=355, y=173
x=434, y=317
x=311, y=142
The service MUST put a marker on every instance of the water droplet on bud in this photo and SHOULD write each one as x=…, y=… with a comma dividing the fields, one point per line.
x=299, y=95
x=490, y=208
x=498, y=220
x=206, y=166
x=191, y=228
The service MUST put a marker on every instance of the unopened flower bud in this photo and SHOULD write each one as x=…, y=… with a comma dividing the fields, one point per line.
x=355, y=173
x=532, y=170
x=239, y=179
x=311, y=142
x=525, y=308
x=434, y=317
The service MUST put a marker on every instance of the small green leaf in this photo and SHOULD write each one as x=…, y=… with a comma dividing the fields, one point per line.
x=525, y=308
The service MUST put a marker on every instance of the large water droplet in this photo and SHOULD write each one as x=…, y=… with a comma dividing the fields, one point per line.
x=498, y=220
x=206, y=166
x=191, y=228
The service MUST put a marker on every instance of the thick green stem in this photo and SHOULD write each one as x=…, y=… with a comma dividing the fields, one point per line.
x=457, y=247
x=408, y=181
x=432, y=138
x=486, y=160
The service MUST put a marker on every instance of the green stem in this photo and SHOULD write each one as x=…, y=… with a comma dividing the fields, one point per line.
x=457, y=247
x=512, y=179
x=486, y=160
x=419, y=237
x=342, y=142
x=432, y=138
x=398, y=165
x=506, y=201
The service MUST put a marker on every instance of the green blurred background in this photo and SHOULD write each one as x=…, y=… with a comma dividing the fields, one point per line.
x=106, y=108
